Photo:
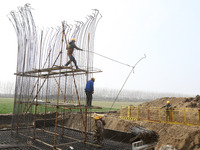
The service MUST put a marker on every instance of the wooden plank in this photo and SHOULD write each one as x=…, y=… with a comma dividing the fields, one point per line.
x=51, y=73
x=68, y=105
x=45, y=69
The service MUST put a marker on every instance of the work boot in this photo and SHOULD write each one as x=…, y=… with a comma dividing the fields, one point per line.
x=77, y=67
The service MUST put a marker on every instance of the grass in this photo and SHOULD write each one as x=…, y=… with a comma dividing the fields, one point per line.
x=6, y=106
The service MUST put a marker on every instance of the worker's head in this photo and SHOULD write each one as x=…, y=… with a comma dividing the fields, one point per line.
x=168, y=102
x=73, y=40
x=93, y=79
x=98, y=117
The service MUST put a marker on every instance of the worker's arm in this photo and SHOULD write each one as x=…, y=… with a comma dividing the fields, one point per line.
x=163, y=106
x=77, y=48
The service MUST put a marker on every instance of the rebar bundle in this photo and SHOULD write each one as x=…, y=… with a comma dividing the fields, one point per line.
x=45, y=89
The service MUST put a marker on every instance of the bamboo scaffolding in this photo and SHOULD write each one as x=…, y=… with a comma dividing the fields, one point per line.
x=43, y=51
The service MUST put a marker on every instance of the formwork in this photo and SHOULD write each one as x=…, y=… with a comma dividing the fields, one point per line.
x=47, y=91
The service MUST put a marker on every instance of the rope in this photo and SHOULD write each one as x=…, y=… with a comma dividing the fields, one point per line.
x=121, y=88
x=132, y=70
x=109, y=58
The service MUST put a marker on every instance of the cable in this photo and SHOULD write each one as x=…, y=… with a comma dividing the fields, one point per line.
x=122, y=88
x=132, y=70
x=109, y=58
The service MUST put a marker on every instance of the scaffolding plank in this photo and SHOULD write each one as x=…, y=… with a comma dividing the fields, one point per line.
x=68, y=105
x=48, y=72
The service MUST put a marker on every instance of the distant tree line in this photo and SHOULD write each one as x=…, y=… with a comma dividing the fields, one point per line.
x=129, y=95
x=7, y=90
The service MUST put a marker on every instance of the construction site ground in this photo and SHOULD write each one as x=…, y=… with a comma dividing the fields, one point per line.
x=8, y=143
x=181, y=137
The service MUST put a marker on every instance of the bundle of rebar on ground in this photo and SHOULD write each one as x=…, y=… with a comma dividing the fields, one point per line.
x=147, y=136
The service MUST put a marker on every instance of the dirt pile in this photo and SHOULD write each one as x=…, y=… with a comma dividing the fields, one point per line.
x=179, y=102
x=181, y=137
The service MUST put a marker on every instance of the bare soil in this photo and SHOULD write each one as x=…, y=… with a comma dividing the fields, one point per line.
x=181, y=137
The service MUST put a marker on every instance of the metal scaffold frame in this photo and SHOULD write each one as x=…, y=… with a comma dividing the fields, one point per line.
x=46, y=91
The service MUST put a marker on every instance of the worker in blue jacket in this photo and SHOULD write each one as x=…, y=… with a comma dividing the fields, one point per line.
x=89, y=90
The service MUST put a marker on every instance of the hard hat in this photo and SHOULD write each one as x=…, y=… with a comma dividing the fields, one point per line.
x=93, y=78
x=73, y=39
x=97, y=117
x=168, y=102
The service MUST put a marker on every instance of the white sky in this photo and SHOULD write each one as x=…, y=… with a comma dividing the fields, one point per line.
x=167, y=31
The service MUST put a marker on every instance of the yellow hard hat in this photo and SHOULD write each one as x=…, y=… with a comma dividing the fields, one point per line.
x=93, y=78
x=73, y=39
x=168, y=102
x=97, y=117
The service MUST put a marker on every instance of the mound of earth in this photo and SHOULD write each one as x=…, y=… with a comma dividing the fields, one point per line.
x=181, y=137
x=179, y=102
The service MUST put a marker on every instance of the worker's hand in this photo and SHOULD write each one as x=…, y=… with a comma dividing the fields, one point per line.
x=92, y=92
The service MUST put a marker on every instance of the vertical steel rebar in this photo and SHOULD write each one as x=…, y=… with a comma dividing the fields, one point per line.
x=37, y=49
x=86, y=96
x=63, y=33
x=36, y=98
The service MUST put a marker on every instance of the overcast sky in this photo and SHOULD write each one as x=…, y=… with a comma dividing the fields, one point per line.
x=167, y=31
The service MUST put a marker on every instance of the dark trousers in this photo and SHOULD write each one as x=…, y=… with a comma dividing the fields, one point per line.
x=72, y=59
x=89, y=98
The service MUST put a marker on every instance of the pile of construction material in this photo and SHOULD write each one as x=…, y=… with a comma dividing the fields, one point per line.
x=194, y=102
x=147, y=136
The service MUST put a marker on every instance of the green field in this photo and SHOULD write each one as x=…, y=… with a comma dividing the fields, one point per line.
x=6, y=105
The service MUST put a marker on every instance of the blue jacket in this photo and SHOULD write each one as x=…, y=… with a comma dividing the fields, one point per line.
x=89, y=86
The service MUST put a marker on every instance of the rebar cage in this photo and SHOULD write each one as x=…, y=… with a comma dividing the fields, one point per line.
x=46, y=91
